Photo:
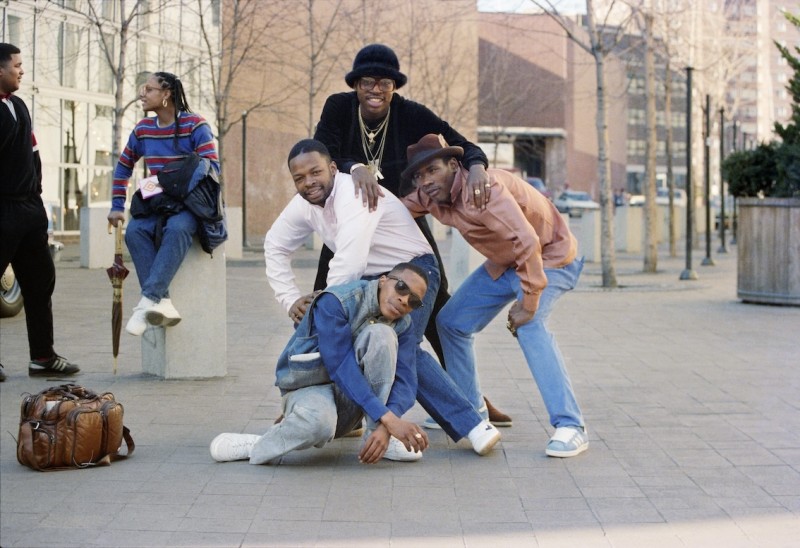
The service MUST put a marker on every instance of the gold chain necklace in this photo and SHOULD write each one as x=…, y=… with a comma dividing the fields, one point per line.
x=373, y=159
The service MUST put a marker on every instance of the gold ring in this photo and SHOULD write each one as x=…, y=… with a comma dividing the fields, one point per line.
x=488, y=185
x=418, y=436
x=477, y=192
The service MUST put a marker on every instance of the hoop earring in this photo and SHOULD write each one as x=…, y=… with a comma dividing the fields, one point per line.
x=164, y=102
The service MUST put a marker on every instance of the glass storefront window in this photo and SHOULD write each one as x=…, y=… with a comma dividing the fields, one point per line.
x=74, y=158
x=48, y=51
x=101, y=77
x=75, y=62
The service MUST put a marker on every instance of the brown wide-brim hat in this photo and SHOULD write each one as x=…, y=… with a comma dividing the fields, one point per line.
x=430, y=147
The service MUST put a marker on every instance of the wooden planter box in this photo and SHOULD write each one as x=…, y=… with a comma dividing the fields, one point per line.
x=768, y=237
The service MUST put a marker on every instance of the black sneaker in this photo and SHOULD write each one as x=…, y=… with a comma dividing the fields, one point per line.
x=2, y=373
x=57, y=365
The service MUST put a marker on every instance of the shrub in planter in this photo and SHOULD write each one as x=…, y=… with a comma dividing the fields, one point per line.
x=751, y=172
x=767, y=182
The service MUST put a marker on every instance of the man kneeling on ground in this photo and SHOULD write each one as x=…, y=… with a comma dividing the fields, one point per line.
x=364, y=365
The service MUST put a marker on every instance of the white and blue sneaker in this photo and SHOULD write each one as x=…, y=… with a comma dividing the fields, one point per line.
x=568, y=441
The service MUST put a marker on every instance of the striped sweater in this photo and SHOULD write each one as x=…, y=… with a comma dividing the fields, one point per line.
x=157, y=146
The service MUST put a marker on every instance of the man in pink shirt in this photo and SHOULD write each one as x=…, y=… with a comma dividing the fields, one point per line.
x=531, y=262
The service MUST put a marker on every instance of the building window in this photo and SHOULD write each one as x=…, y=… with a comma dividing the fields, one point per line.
x=636, y=117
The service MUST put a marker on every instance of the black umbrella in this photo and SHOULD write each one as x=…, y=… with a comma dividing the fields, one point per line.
x=117, y=274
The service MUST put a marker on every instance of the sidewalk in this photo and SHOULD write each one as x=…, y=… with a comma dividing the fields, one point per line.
x=692, y=400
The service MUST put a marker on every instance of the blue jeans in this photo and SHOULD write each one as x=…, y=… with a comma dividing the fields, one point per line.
x=314, y=415
x=436, y=392
x=156, y=268
x=478, y=300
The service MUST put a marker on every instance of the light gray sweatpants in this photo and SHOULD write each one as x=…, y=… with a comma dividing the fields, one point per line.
x=311, y=414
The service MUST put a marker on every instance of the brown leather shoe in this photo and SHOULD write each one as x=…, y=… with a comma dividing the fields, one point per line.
x=497, y=417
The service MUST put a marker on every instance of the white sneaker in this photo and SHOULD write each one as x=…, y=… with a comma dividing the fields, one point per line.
x=483, y=437
x=137, y=324
x=163, y=313
x=567, y=441
x=397, y=451
x=228, y=447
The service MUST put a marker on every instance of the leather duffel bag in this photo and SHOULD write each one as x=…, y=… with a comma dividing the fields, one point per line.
x=70, y=426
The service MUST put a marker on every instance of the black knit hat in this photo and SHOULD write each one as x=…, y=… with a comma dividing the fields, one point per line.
x=376, y=60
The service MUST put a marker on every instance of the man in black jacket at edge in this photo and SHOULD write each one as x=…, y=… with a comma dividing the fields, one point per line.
x=367, y=132
x=23, y=221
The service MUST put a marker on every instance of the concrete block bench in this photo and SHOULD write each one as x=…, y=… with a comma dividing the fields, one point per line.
x=196, y=347
x=97, y=245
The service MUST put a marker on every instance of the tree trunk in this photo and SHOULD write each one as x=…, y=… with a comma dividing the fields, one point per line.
x=119, y=82
x=673, y=236
x=650, y=208
x=607, y=251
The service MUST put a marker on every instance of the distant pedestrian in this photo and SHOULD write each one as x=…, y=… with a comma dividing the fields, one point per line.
x=619, y=197
x=23, y=221
x=531, y=261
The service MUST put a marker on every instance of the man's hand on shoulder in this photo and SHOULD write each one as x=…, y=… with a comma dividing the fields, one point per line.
x=300, y=306
x=366, y=185
x=479, y=186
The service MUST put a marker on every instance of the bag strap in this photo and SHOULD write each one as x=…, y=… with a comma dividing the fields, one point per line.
x=108, y=459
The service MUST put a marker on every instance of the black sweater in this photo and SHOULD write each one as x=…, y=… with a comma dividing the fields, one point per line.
x=338, y=129
x=20, y=165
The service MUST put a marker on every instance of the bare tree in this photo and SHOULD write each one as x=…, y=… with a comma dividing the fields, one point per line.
x=599, y=40
x=321, y=38
x=651, y=236
x=113, y=38
x=243, y=45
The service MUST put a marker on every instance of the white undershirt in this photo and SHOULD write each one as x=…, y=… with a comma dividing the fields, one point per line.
x=10, y=106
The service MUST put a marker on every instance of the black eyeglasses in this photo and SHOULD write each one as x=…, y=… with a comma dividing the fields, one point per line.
x=385, y=84
x=404, y=291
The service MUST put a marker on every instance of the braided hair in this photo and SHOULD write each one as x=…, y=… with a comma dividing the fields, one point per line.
x=169, y=81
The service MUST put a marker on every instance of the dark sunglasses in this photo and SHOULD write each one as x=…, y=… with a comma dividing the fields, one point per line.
x=404, y=291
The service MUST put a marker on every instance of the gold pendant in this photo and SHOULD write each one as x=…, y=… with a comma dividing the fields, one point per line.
x=371, y=137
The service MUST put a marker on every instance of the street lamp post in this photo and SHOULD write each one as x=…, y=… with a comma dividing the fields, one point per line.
x=688, y=273
x=734, y=220
x=722, y=248
x=244, y=178
x=708, y=261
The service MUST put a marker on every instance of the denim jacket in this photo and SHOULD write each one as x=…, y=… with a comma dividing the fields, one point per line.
x=300, y=365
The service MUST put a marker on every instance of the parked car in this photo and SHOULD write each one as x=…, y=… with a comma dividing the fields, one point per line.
x=10, y=294
x=678, y=197
x=539, y=185
x=575, y=202
x=636, y=200
x=662, y=198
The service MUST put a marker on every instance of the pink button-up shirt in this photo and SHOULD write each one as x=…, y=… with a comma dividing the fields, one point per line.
x=519, y=228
